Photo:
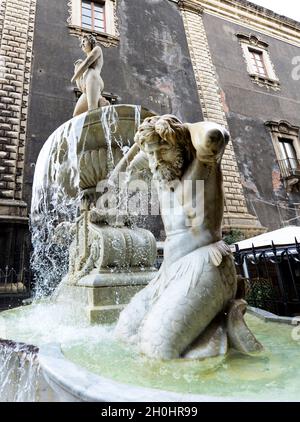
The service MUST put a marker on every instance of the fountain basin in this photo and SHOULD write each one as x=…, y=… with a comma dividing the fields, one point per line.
x=102, y=266
x=83, y=363
x=83, y=150
x=70, y=382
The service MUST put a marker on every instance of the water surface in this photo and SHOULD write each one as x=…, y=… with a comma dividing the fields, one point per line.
x=273, y=374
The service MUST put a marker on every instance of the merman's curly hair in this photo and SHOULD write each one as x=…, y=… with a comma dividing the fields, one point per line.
x=169, y=129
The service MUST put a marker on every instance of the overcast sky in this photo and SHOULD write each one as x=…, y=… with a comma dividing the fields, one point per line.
x=290, y=8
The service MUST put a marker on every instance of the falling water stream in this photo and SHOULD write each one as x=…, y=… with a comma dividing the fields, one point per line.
x=56, y=200
x=273, y=375
x=55, y=203
x=19, y=371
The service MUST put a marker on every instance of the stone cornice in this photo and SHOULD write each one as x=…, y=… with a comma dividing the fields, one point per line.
x=191, y=6
x=267, y=12
x=248, y=15
x=252, y=39
x=282, y=127
x=104, y=39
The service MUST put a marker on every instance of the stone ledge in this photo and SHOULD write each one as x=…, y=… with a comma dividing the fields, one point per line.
x=12, y=203
x=70, y=382
x=106, y=40
x=14, y=219
x=190, y=6
x=13, y=211
x=269, y=317
x=104, y=295
x=246, y=223
x=111, y=278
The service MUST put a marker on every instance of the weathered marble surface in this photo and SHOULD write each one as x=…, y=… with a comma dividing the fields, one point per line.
x=87, y=75
x=190, y=308
x=105, y=258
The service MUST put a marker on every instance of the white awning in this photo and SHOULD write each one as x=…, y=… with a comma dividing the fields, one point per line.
x=284, y=236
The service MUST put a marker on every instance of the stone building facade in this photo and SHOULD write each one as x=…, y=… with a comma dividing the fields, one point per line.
x=246, y=61
x=191, y=58
x=155, y=71
x=16, y=40
x=236, y=215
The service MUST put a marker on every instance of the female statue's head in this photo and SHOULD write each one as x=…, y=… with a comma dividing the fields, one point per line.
x=88, y=42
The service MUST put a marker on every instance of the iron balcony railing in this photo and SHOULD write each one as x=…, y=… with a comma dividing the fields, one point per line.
x=14, y=282
x=289, y=167
x=273, y=277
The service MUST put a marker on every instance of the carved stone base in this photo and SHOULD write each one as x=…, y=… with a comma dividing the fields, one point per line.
x=12, y=211
x=248, y=224
x=104, y=295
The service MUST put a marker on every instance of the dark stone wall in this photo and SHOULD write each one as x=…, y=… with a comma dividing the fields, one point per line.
x=14, y=248
x=151, y=66
x=248, y=107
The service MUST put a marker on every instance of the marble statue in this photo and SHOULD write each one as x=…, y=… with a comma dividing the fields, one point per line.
x=87, y=76
x=192, y=308
x=108, y=261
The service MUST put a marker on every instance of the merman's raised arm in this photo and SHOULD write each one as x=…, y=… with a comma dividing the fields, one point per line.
x=209, y=140
x=133, y=161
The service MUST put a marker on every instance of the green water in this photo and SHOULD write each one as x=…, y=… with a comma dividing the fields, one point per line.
x=272, y=375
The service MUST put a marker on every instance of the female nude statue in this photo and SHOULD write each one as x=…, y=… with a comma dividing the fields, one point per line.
x=88, y=78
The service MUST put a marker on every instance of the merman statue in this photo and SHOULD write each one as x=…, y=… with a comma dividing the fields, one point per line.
x=193, y=308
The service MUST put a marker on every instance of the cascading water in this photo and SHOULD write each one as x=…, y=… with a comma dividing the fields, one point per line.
x=109, y=121
x=19, y=372
x=56, y=201
x=52, y=204
x=57, y=196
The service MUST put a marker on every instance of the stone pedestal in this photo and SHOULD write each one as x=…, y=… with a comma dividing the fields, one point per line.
x=104, y=295
x=246, y=223
x=108, y=266
x=109, y=260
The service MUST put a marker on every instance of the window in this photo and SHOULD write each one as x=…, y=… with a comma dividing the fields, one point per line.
x=288, y=154
x=258, y=61
x=286, y=143
x=94, y=16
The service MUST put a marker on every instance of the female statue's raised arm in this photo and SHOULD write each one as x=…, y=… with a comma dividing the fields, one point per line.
x=94, y=55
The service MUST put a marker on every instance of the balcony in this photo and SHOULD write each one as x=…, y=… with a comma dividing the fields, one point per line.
x=15, y=286
x=289, y=168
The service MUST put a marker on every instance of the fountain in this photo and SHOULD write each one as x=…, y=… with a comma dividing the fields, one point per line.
x=105, y=325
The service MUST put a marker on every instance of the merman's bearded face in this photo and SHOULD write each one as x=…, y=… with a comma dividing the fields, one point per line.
x=166, y=160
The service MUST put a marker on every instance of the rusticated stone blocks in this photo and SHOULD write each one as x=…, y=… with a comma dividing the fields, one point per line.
x=16, y=34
